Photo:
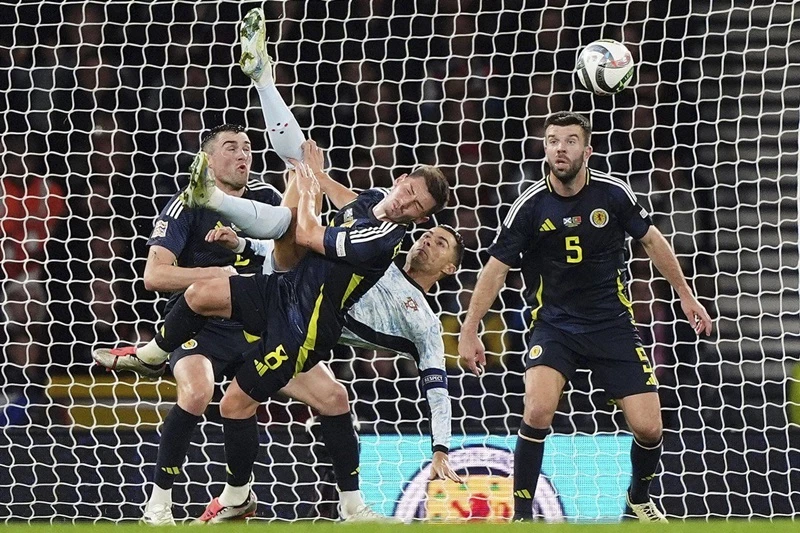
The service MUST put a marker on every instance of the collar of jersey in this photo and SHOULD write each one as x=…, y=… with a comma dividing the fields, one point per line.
x=568, y=198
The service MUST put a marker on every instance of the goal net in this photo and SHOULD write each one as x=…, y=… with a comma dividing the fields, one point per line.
x=102, y=105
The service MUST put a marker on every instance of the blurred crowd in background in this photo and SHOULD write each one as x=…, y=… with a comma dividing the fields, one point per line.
x=104, y=105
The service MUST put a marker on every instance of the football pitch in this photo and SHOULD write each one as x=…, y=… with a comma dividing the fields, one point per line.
x=694, y=526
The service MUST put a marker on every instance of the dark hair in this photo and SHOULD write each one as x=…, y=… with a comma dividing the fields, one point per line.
x=459, y=243
x=212, y=134
x=436, y=184
x=568, y=118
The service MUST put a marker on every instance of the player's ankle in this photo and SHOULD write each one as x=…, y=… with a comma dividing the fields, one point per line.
x=351, y=501
x=215, y=199
x=234, y=496
x=159, y=496
x=151, y=354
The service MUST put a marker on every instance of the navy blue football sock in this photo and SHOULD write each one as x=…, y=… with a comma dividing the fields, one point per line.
x=341, y=442
x=644, y=462
x=528, y=455
x=181, y=325
x=176, y=436
x=241, y=448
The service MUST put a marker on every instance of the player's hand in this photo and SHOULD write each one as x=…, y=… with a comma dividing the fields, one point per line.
x=306, y=182
x=224, y=236
x=440, y=468
x=313, y=156
x=472, y=352
x=696, y=314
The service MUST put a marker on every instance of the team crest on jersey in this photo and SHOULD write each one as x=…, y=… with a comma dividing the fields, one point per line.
x=189, y=345
x=535, y=352
x=411, y=304
x=572, y=222
x=160, y=229
x=599, y=218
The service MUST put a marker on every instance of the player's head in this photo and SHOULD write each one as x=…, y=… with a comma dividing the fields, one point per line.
x=417, y=195
x=566, y=144
x=229, y=155
x=439, y=250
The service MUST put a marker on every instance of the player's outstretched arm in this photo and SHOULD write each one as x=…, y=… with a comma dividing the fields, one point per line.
x=338, y=194
x=664, y=259
x=309, y=233
x=490, y=281
x=161, y=273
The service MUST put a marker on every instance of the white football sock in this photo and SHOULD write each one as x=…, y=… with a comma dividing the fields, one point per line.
x=256, y=219
x=351, y=501
x=234, y=496
x=151, y=354
x=159, y=496
x=283, y=130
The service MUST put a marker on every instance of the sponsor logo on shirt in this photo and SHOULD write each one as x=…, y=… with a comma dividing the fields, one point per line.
x=547, y=225
x=599, y=218
x=160, y=230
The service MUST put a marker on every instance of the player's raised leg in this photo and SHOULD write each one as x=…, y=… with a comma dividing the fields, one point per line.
x=643, y=415
x=283, y=130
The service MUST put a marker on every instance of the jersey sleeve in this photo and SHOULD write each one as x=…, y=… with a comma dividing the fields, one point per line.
x=634, y=218
x=433, y=378
x=172, y=227
x=516, y=232
x=362, y=242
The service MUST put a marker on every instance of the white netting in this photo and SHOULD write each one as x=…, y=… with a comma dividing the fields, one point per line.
x=102, y=107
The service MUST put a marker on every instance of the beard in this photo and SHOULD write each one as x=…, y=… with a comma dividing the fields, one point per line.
x=568, y=175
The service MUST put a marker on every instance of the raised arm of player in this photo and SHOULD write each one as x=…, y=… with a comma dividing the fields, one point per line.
x=309, y=233
x=664, y=259
x=161, y=273
x=491, y=280
x=337, y=193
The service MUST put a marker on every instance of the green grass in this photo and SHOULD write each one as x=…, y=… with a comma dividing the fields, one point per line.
x=692, y=526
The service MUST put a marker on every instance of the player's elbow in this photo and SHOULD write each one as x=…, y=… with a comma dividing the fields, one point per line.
x=151, y=280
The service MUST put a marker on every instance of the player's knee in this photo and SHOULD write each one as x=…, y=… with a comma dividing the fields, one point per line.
x=203, y=297
x=538, y=416
x=649, y=432
x=195, y=398
x=236, y=404
x=336, y=402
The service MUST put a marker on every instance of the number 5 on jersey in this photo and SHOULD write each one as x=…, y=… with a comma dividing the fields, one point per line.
x=574, y=251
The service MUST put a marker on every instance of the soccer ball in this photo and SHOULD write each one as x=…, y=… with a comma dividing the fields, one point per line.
x=605, y=67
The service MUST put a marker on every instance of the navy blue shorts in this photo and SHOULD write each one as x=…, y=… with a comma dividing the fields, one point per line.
x=221, y=343
x=279, y=355
x=615, y=356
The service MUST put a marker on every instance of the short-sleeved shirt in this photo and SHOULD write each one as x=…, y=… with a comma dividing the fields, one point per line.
x=572, y=251
x=182, y=231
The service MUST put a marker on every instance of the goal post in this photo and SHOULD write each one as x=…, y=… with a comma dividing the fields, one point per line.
x=102, y=105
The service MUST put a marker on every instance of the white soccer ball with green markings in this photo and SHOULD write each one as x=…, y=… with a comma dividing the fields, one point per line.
x=605, y=67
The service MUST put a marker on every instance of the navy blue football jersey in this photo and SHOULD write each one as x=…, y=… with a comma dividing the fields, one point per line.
x=572, y=251
x=182, y=230
x=321, y=288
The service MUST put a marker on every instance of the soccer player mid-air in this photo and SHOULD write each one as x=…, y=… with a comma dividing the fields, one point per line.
x=432, y=257
x=567, y=233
